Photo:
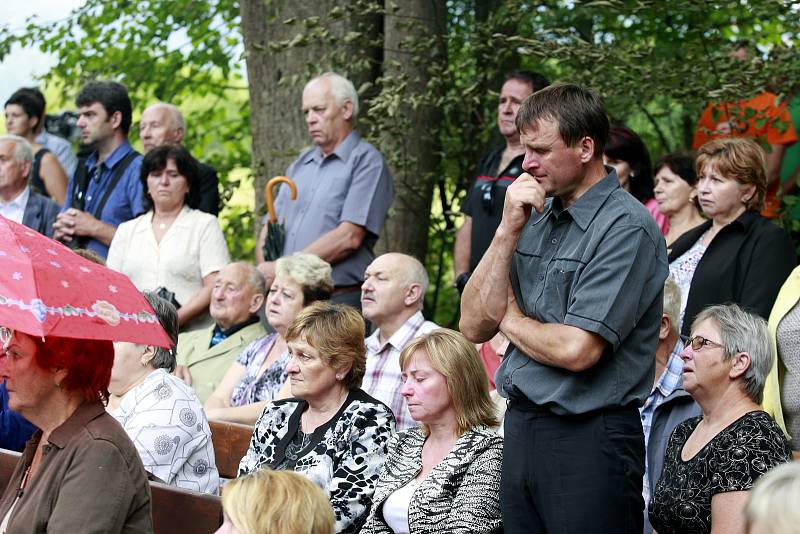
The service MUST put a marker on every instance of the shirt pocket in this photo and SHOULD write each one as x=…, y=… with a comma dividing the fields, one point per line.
x=557, y=291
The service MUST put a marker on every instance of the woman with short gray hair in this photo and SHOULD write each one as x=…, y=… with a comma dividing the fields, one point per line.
x=161, y=414
x=259, y=374
x=713, y=460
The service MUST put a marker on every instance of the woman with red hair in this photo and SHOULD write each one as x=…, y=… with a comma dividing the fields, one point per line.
x=79, y=472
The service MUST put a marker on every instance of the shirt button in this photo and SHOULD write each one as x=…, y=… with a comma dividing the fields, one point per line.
x=554, y=241
x=541, y=277
x=507, y=381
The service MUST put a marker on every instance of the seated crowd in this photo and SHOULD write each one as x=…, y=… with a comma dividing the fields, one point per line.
x=647, y=392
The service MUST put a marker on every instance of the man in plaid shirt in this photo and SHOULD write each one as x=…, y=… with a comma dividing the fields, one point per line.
x=391, y=298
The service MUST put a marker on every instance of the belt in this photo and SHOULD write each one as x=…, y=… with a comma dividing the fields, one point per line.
x=338, y=290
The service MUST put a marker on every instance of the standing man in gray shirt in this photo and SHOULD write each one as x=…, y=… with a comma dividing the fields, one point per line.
x=574, y=278
x=344, y=190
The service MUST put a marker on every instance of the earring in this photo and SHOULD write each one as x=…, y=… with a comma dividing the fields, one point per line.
x=338, y=377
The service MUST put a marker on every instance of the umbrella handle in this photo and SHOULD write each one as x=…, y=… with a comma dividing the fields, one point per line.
x=268, y=196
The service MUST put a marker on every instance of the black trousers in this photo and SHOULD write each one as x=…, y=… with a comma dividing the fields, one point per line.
x=572, y=474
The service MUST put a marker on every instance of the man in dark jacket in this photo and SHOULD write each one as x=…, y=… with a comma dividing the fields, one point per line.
x=18, y=202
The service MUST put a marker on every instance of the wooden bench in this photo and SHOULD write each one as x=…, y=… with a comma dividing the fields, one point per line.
x=231, y=441
x=185, y=511
x=174, y=509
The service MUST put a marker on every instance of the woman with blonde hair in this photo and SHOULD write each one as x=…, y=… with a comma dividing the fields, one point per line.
x=772, y=508
x=275, y=502
x=444, y=475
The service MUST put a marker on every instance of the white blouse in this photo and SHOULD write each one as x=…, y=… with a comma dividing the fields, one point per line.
x=395, y=508
x=168, y=426
x=193, y=247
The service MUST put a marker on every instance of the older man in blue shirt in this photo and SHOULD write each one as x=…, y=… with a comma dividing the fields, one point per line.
x=344, y=190
x=106, y=190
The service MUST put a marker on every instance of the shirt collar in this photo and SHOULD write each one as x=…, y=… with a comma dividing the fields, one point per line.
x=235, y=328
x=116, y=156
x=584, y=210
x=76, y=422
x=672, y=376
x=342, y=151
x=20, y=201
x=399, y=338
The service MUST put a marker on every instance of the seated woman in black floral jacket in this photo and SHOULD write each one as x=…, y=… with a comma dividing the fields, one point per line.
x=443, y=476
x=713, y=461
x=331, y=431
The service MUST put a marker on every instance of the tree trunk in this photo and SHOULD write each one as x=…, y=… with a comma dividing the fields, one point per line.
x=414, y=74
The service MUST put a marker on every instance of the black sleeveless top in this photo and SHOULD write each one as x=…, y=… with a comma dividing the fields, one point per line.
x=36, y=179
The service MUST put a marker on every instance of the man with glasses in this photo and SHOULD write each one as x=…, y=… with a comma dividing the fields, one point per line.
x=668, y=404
x=483, y=206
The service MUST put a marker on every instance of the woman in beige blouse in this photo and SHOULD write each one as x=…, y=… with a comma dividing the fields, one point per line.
x=172, y=246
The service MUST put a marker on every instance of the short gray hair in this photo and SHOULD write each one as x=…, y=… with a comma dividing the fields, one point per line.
x=416, y=274
x=168, y=317
x=22, y=148
x=742, y=331
x=254, y=277
x=342, y=90
x=176, y=115
x=672, y=303
x=310, y=272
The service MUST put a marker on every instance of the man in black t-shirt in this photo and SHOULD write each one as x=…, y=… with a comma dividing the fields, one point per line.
x=483, y=205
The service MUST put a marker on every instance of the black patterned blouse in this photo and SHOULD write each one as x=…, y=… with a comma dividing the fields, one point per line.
x=732, y=461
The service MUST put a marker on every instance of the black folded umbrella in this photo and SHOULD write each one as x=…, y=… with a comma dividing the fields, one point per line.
x=276, y=232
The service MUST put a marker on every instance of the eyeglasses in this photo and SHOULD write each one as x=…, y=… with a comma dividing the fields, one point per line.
x=698, y=342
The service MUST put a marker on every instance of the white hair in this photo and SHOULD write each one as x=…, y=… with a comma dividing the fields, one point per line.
x=672, y=303
x=22, y=148
x=176, y=116
x=342, y=89
x=742, y=331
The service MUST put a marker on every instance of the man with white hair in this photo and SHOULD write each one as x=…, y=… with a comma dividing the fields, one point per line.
x=668, y=404
x=17, y=201
x=391, y=298
x=163, y=124
x=344, y=190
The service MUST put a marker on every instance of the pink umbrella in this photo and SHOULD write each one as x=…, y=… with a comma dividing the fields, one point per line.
x=48, y=290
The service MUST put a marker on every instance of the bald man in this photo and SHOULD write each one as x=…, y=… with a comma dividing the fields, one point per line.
x=392, y=296
x=163, y=124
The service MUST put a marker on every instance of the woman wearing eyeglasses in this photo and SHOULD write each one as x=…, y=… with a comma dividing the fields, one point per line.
x=713, y=460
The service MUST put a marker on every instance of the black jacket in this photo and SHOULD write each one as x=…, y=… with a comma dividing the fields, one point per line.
x=746, y=263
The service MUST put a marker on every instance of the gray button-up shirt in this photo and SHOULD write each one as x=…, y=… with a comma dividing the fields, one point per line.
x=599, y=265
x=351, y=184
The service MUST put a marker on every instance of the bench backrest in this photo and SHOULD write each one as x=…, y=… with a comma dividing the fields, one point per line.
x=185, y=511
x=231, y=441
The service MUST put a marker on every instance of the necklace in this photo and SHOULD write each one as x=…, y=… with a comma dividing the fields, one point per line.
x=166, y=222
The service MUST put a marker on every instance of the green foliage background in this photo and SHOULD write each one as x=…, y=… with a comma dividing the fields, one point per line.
x=656, y=63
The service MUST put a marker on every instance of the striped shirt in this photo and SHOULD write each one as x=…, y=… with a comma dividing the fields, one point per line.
x=382, y=378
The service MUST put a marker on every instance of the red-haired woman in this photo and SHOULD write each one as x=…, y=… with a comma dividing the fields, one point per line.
x=79, y=472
